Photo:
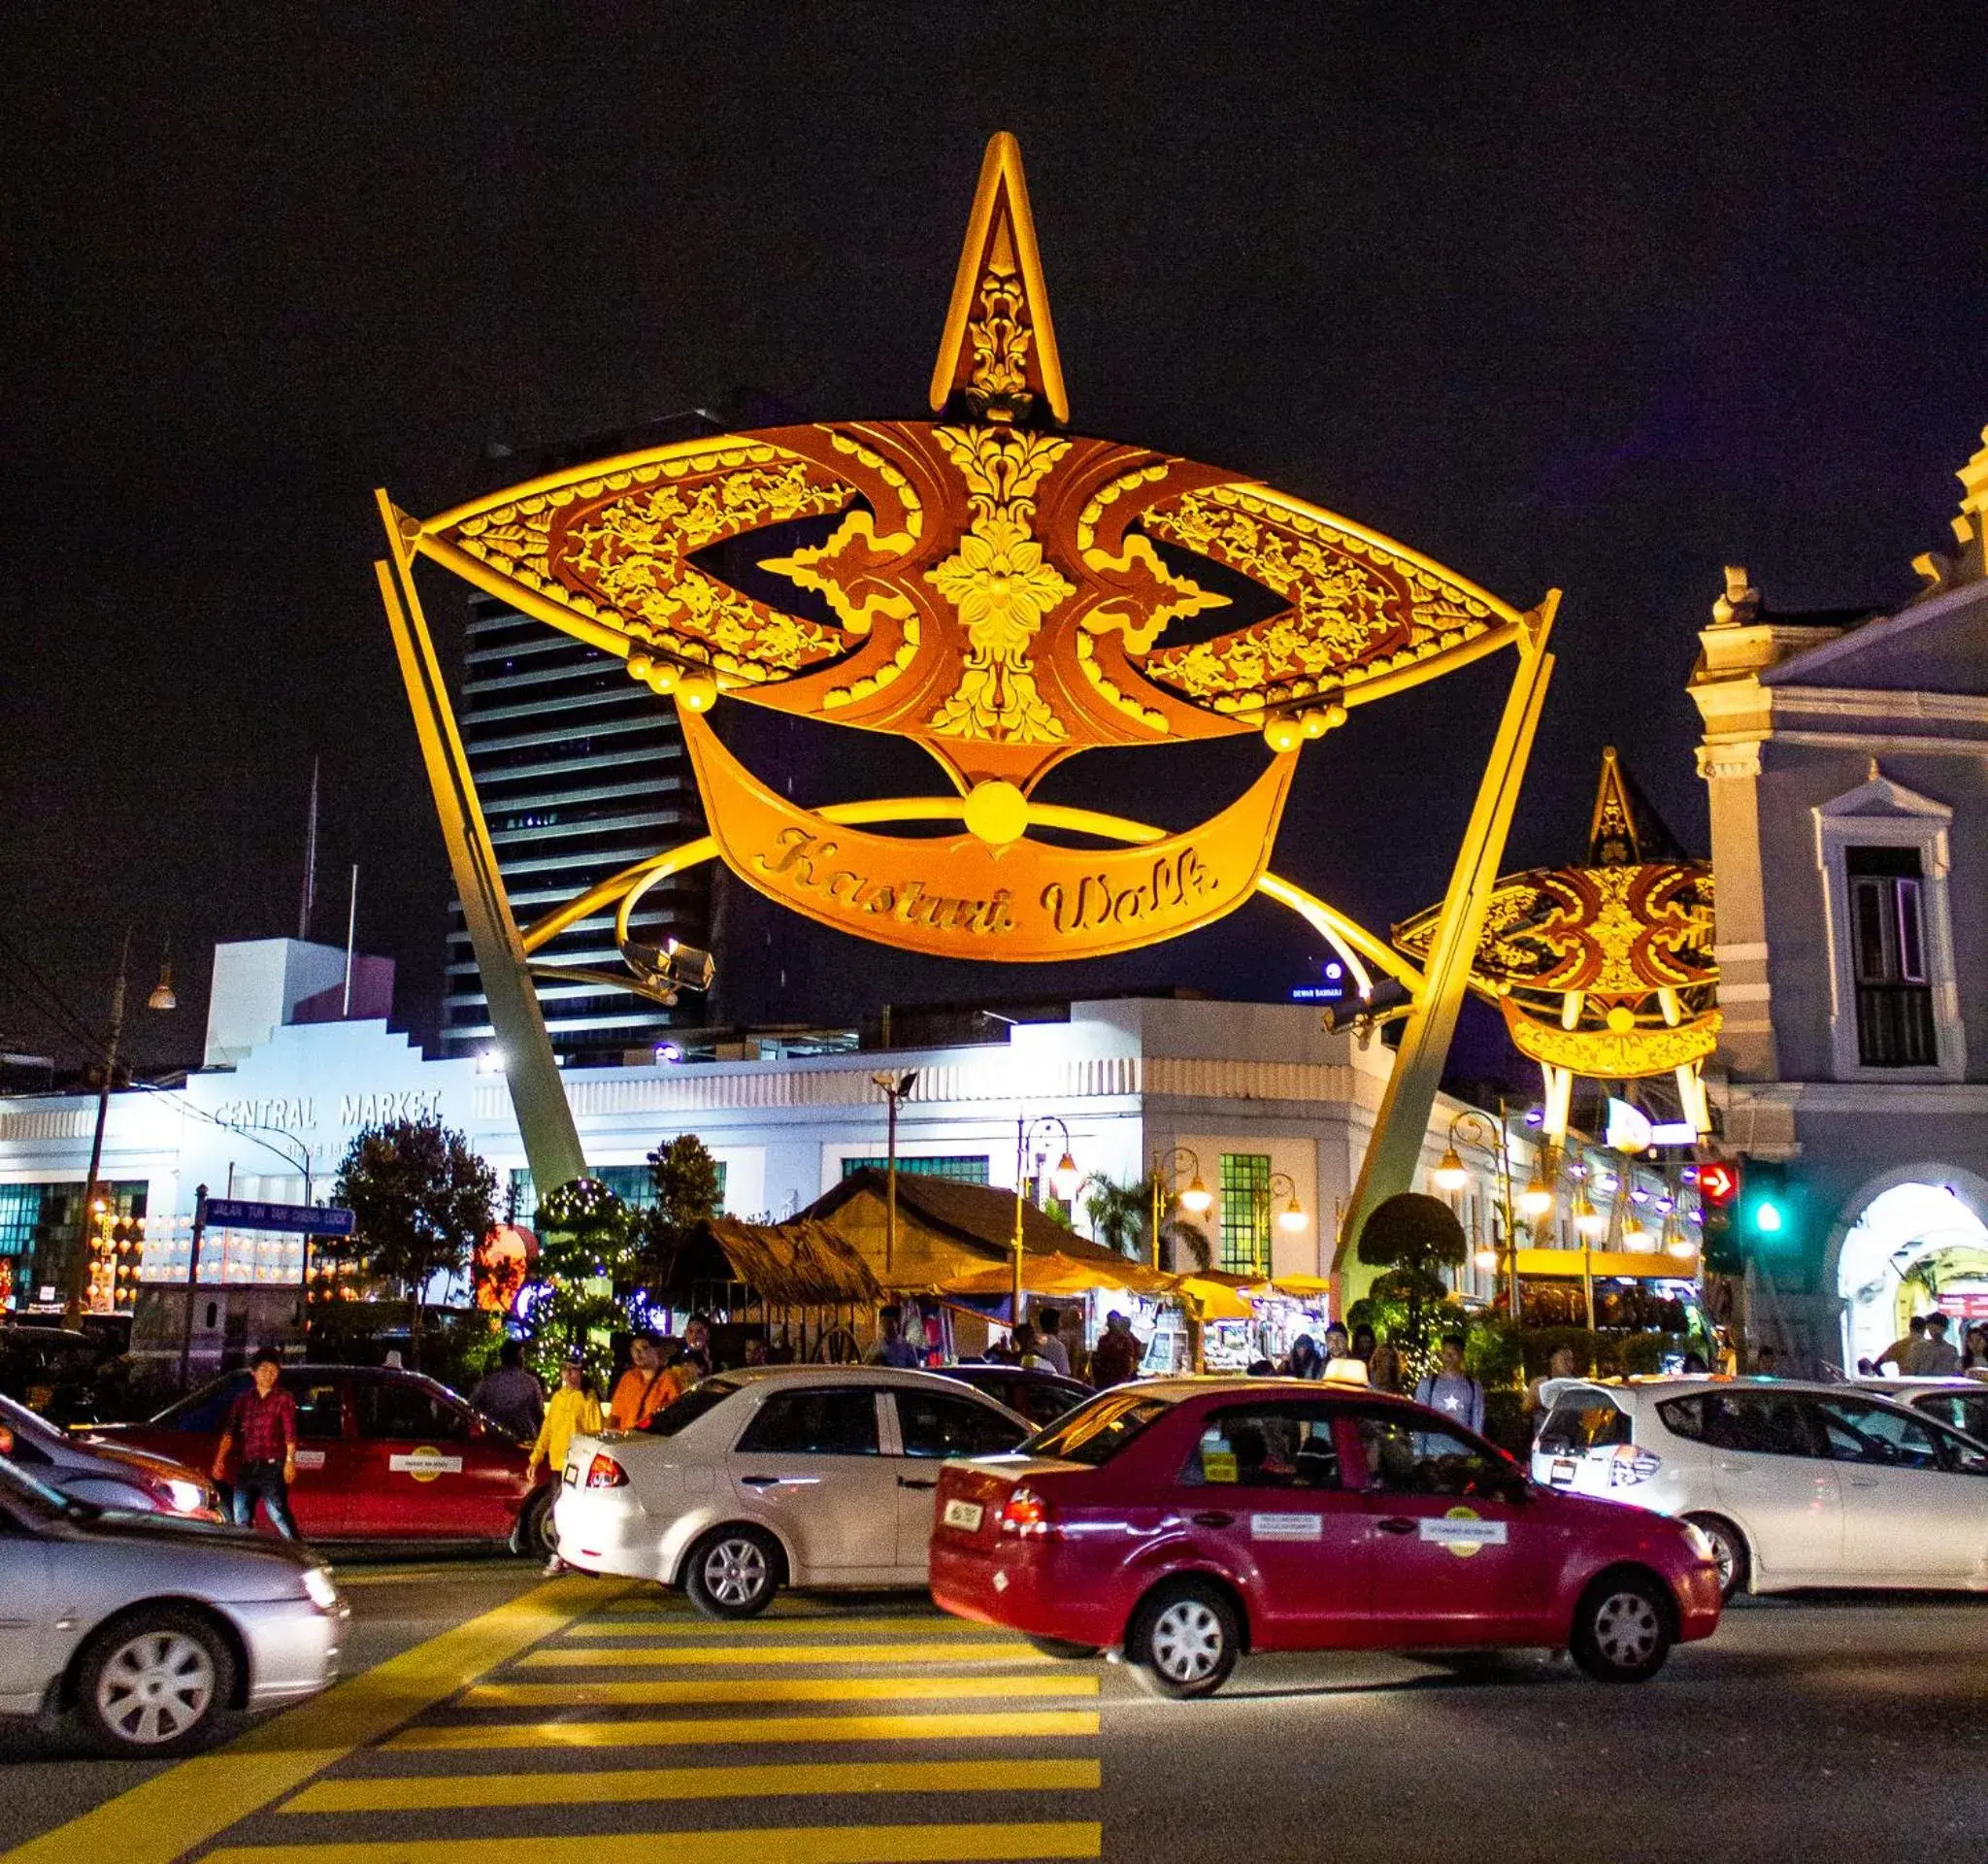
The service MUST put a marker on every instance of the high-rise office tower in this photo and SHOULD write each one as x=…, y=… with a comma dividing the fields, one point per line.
x=582, y=772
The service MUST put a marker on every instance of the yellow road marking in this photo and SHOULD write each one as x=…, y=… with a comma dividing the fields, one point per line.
x=443, y=1792
x=187, y=1805
x=662, y=1690
x=718, y=1731
x=664, y=1655
x=662, y=1624
x=777, y=1845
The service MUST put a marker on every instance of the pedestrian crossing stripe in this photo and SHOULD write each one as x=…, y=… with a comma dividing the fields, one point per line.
x=444, y=1792
x=719, y=1731
x=776, y=1845
x=667, y=1655
x=661, y=1689
x=179, y=1810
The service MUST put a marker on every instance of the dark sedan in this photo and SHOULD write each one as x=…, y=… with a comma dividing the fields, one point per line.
x=1042, y=1397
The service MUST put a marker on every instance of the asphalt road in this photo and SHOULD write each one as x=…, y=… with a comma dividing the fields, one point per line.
x=585, y=1724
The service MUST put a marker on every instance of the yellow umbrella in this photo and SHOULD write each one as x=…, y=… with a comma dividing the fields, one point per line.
x=1211, y=1299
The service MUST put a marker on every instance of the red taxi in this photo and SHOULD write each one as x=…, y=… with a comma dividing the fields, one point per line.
x=381, y=1454
x=1186, y=1521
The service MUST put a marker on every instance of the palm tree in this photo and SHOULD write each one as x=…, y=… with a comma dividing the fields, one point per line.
x=1121, y=1218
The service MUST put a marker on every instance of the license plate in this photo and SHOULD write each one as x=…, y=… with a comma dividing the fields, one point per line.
x=964, y=1515
x=1563, y=1470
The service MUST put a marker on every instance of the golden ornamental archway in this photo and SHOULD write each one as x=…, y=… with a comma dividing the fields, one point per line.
x=1005, y=594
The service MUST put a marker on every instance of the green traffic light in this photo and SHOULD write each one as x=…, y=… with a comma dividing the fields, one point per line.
x=1767, y=1219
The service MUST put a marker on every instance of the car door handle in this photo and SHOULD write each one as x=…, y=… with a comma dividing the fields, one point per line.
x=764, y=1482
x=1396, y=1524
x=1212, y=1518
x=1865, y=1481
x=918, y=1481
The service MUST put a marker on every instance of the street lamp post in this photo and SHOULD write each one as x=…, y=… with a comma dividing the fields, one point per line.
x=1475, y=1129
x=162, y=997
x=1066, y=1178
x=1195, y=1199
x=895, y=1088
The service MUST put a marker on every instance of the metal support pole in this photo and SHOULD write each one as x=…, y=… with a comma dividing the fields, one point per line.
x=192, y=1280
x=1401, y=1129
x=545, y=1120
x=1020, y=1145
x=890, y=1184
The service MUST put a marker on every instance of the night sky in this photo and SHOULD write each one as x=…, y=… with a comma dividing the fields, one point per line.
x=1594, y=295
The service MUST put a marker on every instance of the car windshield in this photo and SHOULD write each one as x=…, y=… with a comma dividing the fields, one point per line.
x=702, y=1398
x=1098, y=1431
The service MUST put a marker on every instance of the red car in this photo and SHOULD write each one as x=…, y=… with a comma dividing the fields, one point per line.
x=381, y=1454
x=1186, y=1521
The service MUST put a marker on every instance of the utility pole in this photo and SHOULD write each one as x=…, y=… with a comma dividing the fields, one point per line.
x=79, y=1264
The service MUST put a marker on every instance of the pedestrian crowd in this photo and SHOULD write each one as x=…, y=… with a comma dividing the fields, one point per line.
x=1925, y=1351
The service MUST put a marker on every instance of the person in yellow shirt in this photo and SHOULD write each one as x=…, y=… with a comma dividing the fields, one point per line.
x=573, y=1411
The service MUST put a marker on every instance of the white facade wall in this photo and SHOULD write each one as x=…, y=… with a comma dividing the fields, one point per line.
x=1126, y=1077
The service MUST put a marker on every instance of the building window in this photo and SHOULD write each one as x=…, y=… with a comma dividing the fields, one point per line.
x=631, y=1183
x=1245, y=1213
x=1888, y=956
x=960, y=1167
x=1893, y=991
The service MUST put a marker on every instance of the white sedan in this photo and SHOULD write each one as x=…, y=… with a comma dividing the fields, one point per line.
x=1795, y=1484
x=801, y=1475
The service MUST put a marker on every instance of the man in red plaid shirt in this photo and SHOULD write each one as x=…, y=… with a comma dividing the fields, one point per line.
x=263, y=1422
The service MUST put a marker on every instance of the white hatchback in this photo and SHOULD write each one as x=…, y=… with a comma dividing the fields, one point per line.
x=802, y=1475
x=1795, y=1484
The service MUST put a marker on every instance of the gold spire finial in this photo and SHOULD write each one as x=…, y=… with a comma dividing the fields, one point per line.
x=998, y=354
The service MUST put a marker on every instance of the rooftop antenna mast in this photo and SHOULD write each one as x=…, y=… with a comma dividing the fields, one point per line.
x=309, y=895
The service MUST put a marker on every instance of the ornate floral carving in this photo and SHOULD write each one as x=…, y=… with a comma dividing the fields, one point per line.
x=1002, y=587
x=1354, y=605
x=996, y=387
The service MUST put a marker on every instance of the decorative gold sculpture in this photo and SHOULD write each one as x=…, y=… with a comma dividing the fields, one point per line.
x=1006, y=595
x=1605, y=971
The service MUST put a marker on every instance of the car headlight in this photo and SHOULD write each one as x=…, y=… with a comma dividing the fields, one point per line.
x=187, y=1498
x=319, y=1589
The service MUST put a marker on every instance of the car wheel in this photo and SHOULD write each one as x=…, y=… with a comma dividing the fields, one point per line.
x=1061, y=1647
x=1729, y=1549
x=533, y=1534
x=154, y=1683
x=733, y=1572
x=1184, y=1641
x=1622, y=1629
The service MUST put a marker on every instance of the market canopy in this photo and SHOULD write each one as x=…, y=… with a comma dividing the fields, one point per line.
x=796, y=1264
x=946, y=1229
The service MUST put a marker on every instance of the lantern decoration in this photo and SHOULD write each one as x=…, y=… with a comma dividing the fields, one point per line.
x=502, y=1265
x=1603, y=971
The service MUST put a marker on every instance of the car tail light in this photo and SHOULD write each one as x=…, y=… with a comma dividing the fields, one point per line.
x=1628, y=1465
x=1025, y=1513
x=604, y=1471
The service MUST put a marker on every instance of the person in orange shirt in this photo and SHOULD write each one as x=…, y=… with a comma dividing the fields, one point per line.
x=643, y=1389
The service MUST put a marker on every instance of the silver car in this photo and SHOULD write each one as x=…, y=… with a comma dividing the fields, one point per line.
x=87, y=1469
x=803, y=1475
x=147, y=1629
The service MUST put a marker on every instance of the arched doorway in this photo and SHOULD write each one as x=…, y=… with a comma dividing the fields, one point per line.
x=1913, y=1247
